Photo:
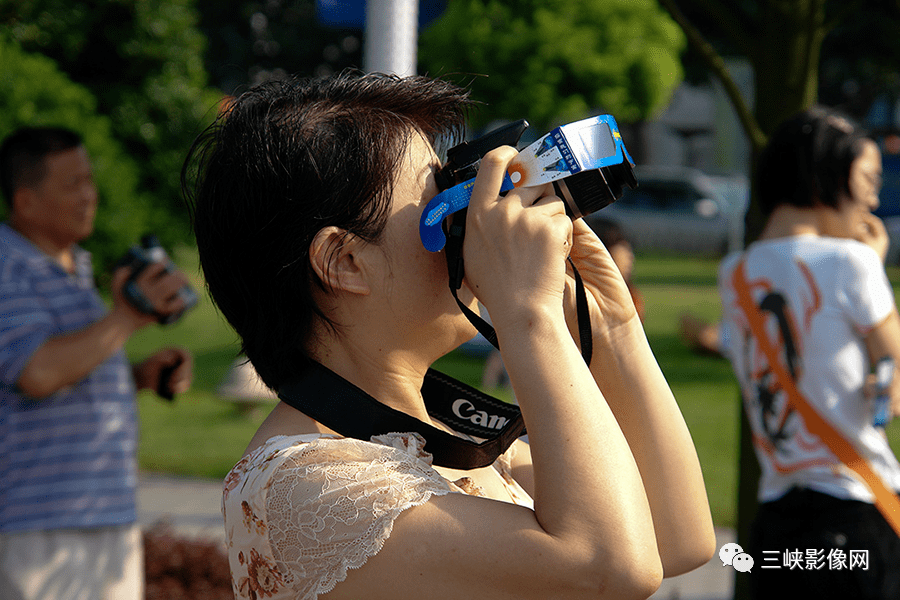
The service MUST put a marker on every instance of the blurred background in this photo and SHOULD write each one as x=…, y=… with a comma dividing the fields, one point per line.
x=695, y=85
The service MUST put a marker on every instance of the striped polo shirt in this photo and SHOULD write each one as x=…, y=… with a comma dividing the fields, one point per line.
x=68, y=460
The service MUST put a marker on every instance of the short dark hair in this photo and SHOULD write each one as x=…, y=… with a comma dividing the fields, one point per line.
x=23, y=152
x=807, y=160
x=284, y=160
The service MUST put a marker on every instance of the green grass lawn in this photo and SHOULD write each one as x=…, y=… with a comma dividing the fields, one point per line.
x=201, y=435
x=704, y=386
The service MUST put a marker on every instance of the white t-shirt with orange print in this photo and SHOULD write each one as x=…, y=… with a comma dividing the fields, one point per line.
x=819, y=297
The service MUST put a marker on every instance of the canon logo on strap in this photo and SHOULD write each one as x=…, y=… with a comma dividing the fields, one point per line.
x=464, y=409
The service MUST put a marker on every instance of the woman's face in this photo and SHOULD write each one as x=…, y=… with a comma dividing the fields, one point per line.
x=864, y=184
x=416, y=280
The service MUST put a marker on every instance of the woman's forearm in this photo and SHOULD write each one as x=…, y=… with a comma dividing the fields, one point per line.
x=626, y=371
x=587, y=484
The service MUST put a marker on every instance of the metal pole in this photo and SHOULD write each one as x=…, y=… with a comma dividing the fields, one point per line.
x=392, y=28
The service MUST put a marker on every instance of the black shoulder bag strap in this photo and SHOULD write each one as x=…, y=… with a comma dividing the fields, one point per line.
x=333, y=401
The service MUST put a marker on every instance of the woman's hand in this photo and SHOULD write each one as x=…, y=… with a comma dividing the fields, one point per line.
x=609, y=299
x=516, y=245
x=874, y=234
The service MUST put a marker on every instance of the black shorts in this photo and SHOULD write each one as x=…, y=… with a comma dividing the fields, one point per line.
x=812, y=545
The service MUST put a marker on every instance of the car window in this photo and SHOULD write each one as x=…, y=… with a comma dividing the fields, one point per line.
x=664, y=196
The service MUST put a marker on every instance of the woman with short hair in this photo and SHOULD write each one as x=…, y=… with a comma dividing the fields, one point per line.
x=307, y=204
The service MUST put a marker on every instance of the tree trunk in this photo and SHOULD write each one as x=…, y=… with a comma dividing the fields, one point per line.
x=786, y=73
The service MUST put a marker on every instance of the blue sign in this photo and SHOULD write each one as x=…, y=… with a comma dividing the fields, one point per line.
x=352, y=13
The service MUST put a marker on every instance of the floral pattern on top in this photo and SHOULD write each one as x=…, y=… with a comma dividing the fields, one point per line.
x=301, y=510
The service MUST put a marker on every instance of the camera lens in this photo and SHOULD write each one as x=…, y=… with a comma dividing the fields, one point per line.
x=618, y=176
x=589, y=191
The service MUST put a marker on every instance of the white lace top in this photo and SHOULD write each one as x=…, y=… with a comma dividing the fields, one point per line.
x=301, y=510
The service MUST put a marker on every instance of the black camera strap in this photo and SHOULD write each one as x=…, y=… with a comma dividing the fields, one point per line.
x=321, y=394
x=456, y=270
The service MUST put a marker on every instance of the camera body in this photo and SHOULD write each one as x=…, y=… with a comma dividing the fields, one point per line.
x=138, y=258
x=586, y=161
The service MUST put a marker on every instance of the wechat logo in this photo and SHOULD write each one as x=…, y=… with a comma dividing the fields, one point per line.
x=732, y=555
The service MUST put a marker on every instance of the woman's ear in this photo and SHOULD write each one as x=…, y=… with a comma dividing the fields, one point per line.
x=334, y=259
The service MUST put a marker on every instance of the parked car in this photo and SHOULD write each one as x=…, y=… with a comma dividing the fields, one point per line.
x=680, y=209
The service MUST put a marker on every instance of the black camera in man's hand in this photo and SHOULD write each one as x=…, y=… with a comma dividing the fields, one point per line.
x=138, y=258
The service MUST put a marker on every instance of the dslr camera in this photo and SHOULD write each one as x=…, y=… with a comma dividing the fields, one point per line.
x=138, y=258
x=586, y=161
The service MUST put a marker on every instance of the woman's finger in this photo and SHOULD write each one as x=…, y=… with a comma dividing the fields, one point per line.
x=490, y=176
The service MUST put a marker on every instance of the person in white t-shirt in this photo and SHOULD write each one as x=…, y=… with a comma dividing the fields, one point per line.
x=808, y=311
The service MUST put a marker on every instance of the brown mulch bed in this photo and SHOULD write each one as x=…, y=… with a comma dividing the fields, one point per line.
x=179, y=568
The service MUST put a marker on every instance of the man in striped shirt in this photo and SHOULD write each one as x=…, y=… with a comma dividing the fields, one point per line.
x=68, y=423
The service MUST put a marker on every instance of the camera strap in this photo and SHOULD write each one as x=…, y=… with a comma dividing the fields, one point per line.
x=456, y=270
x=325, y=396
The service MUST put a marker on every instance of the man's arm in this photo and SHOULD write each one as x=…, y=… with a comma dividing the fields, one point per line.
x=66, y=359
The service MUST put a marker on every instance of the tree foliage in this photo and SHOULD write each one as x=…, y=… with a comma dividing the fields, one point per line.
x=252, y=40
x=34, y=92
x=854, y=74
x=553, y=61
x=143, y=61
